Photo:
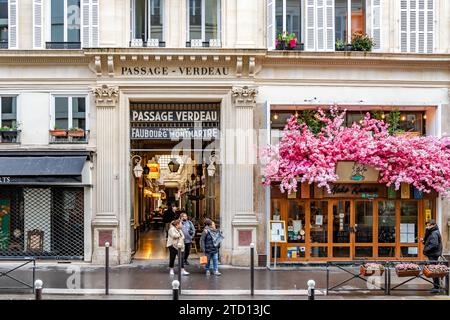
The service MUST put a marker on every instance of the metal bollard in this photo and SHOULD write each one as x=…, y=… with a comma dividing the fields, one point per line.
x=106, y=268
x=180, y=261
x=38, y=285
x=175, y=289
x=252, y=268
x=311, y=286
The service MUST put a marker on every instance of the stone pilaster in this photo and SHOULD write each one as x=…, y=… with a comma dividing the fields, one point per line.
x=244, y=220
x=106, y=221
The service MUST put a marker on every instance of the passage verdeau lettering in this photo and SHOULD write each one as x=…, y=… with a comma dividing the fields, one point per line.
x=177, y=116
x=182, y=71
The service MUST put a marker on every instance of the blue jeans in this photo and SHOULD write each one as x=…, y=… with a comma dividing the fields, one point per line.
x=215, y=259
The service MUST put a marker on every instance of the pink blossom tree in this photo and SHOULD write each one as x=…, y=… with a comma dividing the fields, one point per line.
x=301, y=156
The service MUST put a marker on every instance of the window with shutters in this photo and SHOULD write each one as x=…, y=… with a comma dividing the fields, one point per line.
x=417, y=26
x=65, y=25
x=8, y=24
x=203, y=23
x=147, y=23
x=4, y=24
x=350, y=18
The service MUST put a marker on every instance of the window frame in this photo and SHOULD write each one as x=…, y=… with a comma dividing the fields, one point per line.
x=7, y=22
x=16, y=105
x=203, y=22
x=65, y=28
x=70, y=97
x=349, y=19
x=148, y=26
x=284, y=18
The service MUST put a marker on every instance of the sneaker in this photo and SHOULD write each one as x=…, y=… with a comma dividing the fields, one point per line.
x=171, y=272
x=184, y=273
x=208, y=273
x=434, y=290
x=217, y=273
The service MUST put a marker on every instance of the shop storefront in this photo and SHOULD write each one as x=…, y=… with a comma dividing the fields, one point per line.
x=355, y=221
x=42, y=206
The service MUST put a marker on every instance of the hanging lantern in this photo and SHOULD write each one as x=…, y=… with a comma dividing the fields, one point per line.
x=153, y=170
x=211, y=169
x=138, y=170
x=173, y=165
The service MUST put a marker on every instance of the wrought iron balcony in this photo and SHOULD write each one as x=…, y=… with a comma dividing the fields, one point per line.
x=9, y=136
x=154, y=43
x=4, y=45
x=63, y=45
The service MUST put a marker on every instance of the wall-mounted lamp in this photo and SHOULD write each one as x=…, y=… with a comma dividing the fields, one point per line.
x=137, y=170
x=173, y=165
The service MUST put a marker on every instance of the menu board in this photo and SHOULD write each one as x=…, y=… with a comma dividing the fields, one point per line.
x=277, y=231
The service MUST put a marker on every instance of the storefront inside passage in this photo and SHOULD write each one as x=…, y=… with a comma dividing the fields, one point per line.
x=175, y=164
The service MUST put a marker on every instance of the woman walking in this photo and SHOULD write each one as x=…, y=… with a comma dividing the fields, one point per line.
x=174, y=239
x=210, y=243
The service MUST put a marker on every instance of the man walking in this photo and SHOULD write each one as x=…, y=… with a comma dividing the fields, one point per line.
x=189, y=233
x=433, y=248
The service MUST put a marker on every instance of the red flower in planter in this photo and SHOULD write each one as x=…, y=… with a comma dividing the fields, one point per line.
x=292, y=43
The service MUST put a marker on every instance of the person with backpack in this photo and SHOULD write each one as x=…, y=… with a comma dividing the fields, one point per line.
x=210, y=242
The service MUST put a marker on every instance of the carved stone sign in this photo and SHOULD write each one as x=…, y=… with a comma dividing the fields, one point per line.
x=163, y=71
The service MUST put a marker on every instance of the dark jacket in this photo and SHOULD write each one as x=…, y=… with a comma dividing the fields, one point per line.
x=433, y=243
x=168, y=216
x=207, y=242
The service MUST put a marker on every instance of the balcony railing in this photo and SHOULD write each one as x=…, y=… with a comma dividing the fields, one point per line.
x=4, y=45
x=153, y=43
x=63, y=45
x=198, y=43
x=10, y=136
x=69, y=137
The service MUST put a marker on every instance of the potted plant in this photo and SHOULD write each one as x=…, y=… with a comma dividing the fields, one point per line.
x=435, y=271
x=8, y=134
x=76, y=132
x=361, y=42
x=407, y=270
x=58, y=132
x=369, y=269
x=286, y=41
x=339, y=45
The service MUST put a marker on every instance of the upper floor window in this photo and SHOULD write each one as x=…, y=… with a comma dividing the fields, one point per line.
x=350, y=18
x=318, y=24
x=65, y=26
x=417, y=26
x=147, y=23
x=8, y=24
x=69, y=121
x=8, y=114
x=288, y=16
x=203, y=23
x=8, y=120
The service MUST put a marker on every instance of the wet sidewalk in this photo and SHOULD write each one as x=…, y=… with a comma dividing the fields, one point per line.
x=144, y=279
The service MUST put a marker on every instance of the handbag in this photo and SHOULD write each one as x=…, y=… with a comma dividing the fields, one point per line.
x=203, y=259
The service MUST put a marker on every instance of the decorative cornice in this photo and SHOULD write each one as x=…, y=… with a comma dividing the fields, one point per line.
x=244, y=96
x=106, y=96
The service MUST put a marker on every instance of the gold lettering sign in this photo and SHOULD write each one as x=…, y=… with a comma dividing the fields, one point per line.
x=353, y=172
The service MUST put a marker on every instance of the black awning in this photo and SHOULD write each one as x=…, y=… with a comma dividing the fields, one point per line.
x=41, y=170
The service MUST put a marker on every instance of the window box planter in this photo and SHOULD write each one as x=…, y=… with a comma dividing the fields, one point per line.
x=407, y=270
x=76, y=133
x=435, y=271
x=369, y=269
x=348, y=47
x=58, y=133
x=8, y=136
